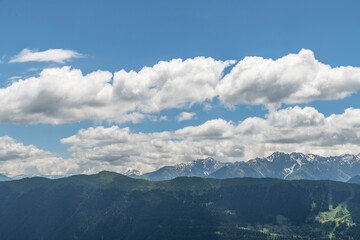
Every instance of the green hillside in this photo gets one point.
(112, 206)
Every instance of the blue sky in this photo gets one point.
(129, 35)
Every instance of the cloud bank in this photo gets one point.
(119, 149)
(50, 55)
(63, 95)
(303, 129)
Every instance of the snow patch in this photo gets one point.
(310, 157)
(289, 171)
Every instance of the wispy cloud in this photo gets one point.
(32, 70)
(2, 59)
(185, 116)
(50, 55)
(13, 78)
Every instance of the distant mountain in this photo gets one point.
(22, 176)
(4, 178)
(112, 206)
(355, 179)
(277, 165)
(195, 168)
(294, 166)
(132, 173)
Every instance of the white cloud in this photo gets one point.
(62, 95)
(118, 149)
(58, 95)
(155, 118)
(17, 159)
(147, 151)
(163, 118)
(14, 78)
(50, 55)
(32, 70)
(295, 78)
(174, 84)
(303, 130)
(185, 116)
(291, 129)
(207, 106)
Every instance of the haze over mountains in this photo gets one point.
(355, 179)
(287, 166)
(4, 178)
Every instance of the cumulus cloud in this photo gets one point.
(50, 55)
(185, 116)
(58, 95)
(62, 95)
(291, 129)
(18, 159)
(304, 130)
(174, 84)
(132, 96)
(295, 78)
(118, 149)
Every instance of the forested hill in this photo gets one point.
(111, 206)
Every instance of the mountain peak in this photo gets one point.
(132, 172)
(208, 159)
(276, 156)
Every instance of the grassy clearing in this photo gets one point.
(338, 215)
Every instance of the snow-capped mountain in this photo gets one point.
(295, 166)
(278, 165)
(198, 168)
(132, 173)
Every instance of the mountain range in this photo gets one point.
(278, 165)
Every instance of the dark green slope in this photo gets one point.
(111, 206)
